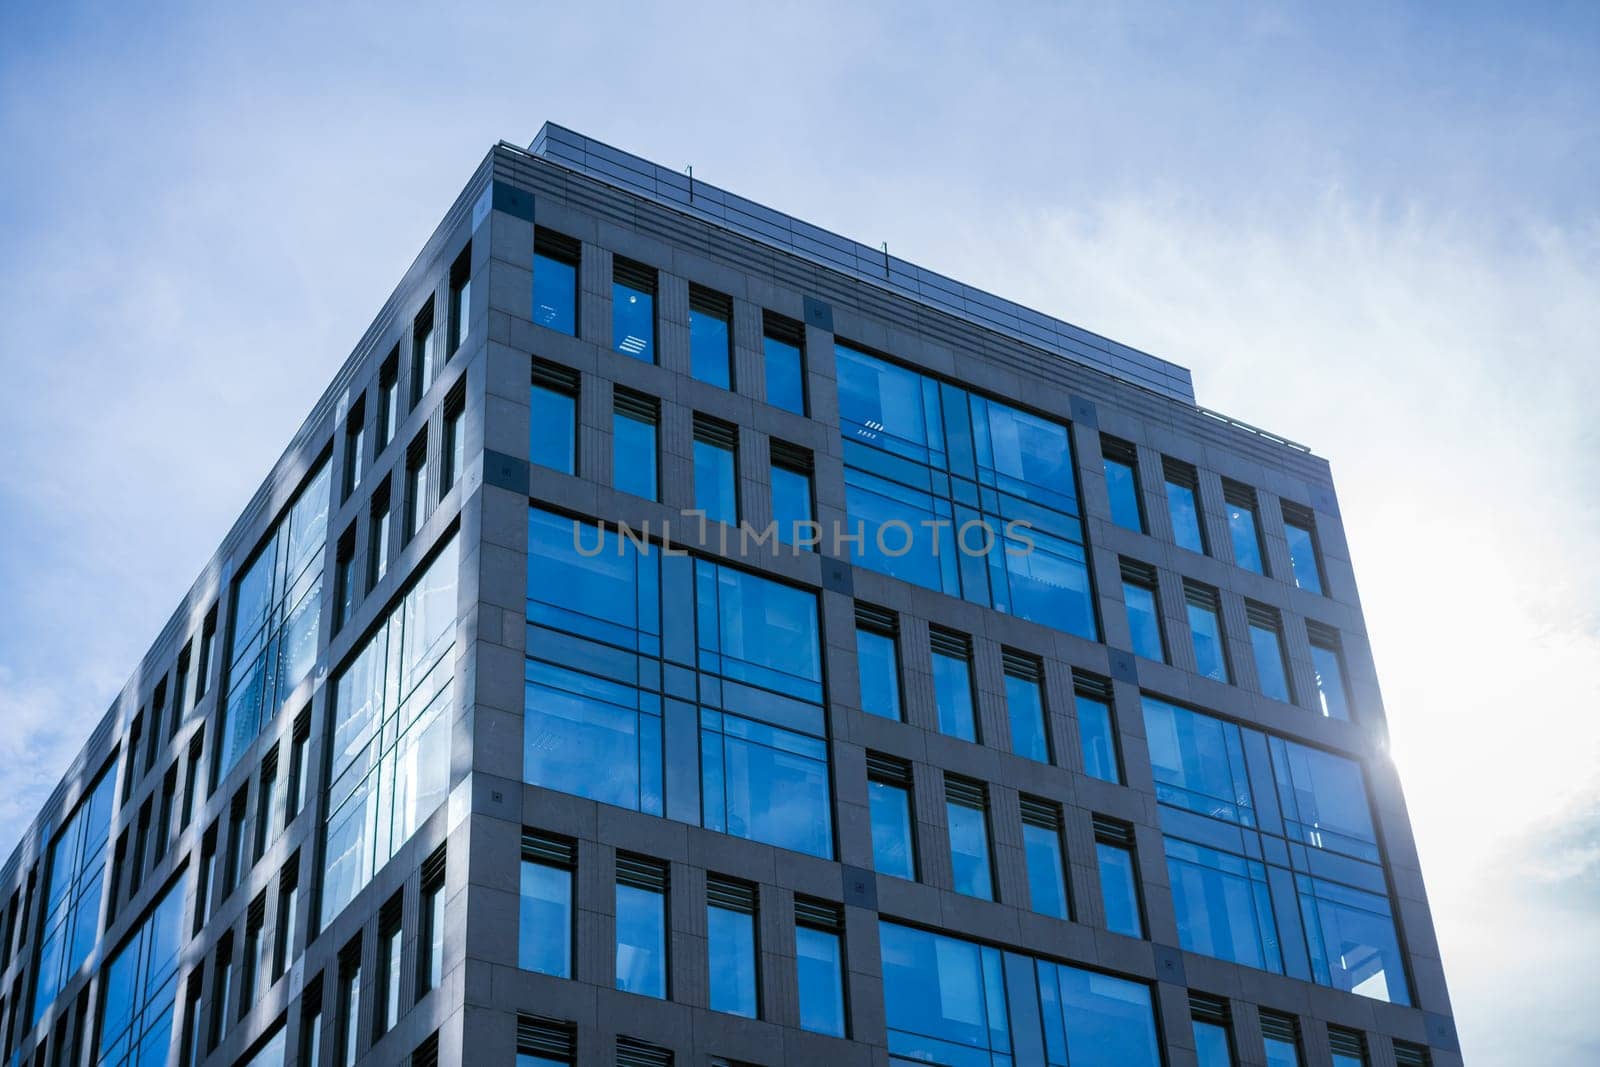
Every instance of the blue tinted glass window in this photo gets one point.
(1122, 484)
(1198, 762)
(1267, 644)
(1223, 906)
(633, 321)
(785, 375)
(72, 899)
(1328, 666)
(715, 488)
(1282, 1053)
(791, 504)
(819, 973)
(1025, 707)
(1109, 1022)
(893, 847)
(1246, 539)
(1119, 887)
(942, 997)
(1211, 1045)
(880, 673)
(731, 943)
(1144, 621)
(1324, 799)
(765, 784)
(545, 929)
(1184, 506)
(641, 941)
(553, 429)
(887, 407)
(1046, 580)
(555, 294)
(709, 359)
(1211, 657)
(1098, 738)
(141, 985)
(1303, 560)
(755, 630)
(952, 692)
(901, 535)
(1047, 883)
(1344, 1059)
(587, 736)
(969, 850)
(633, 455)
(1352, 939)
(1031, 457)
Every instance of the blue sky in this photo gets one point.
(1367, 227)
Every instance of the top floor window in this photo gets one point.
(1243, 526)
(460, 298)
(71, 904)
(1305, 557)
(1122, 483)
(425, 358)
(633, 309)
(783, 354)
(555, 281)
(1183, 504)
(710, 337)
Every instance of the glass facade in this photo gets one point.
(389, 744)
(674, 686)
(962, 494)
(72, 900)
(1272, 854)
(140, 987)
(274, 627)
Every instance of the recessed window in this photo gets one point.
(347, 588)
(1144, 610)
(1119, 876)
(388, 399)
(547, 917)
(1097, 731)
(461, 298)
(952, 683)
(967, 814)
(1024, 678)
(791, 494)
(878, 659)
(1244, 527)
(634, 461)
(355, 448)
(731, 946)
(1349, 1048)
(286, 938)
(710, 337)
(1305, 555)
(1327, 665)
(1122, 483)
(894, 849)
(1046, 859)
(783, 353)
(430, 933)
(1204, 607)
(641, 926)
(1183, 504)
(1281, 1035)
(349, 1004)
(716, 479)
(545, 1042)
(633, 309)
(1212, 1040)
(453, 454)
(555, 281)
(417, 501)
(391, 944)
(1266, 644)
(553, 417)
(378, 535)
(819, 965)
(1408, 1055)
(425, 359)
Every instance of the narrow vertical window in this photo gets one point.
(1122, 483)
(634, 460)
(878, 661)
(1144, 610)
(731, 946)
(453, 454)
(1327, 664)
(222, 1003)
(236, 865)
(250, 965)
(268, 817)
(460, 298)
(952, 683)
(311, 1024)
(1183, 504)
(430, 934)
(299, 766)
(180, 688)
(1024, 674)
(641, 926)
(544, 940)
(1281, 1034)
(716, 479)
(819, 966)
(633, 309)
(388, 399)
(194, 1041)
(1047, 869)
(1097, 730)
(416, 485)
(355, 437)
(208, 644)
(1266, 643)
(1204, 606)
(1119, 876)
(553, 417)
(791, 494)
(390, 945)
(1349, 1048)
(424, 359)
(967, 812)
(378, 536)
(783, 355)
(205, 886)
(710, 337)
(1212, 1043)
(1243, 526)
(1305, 555)
(191, 781)
(346, 587)
(285, 938)
(555, 281)
(349, 1005)
(889, 802)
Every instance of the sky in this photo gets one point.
(1372, 228)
